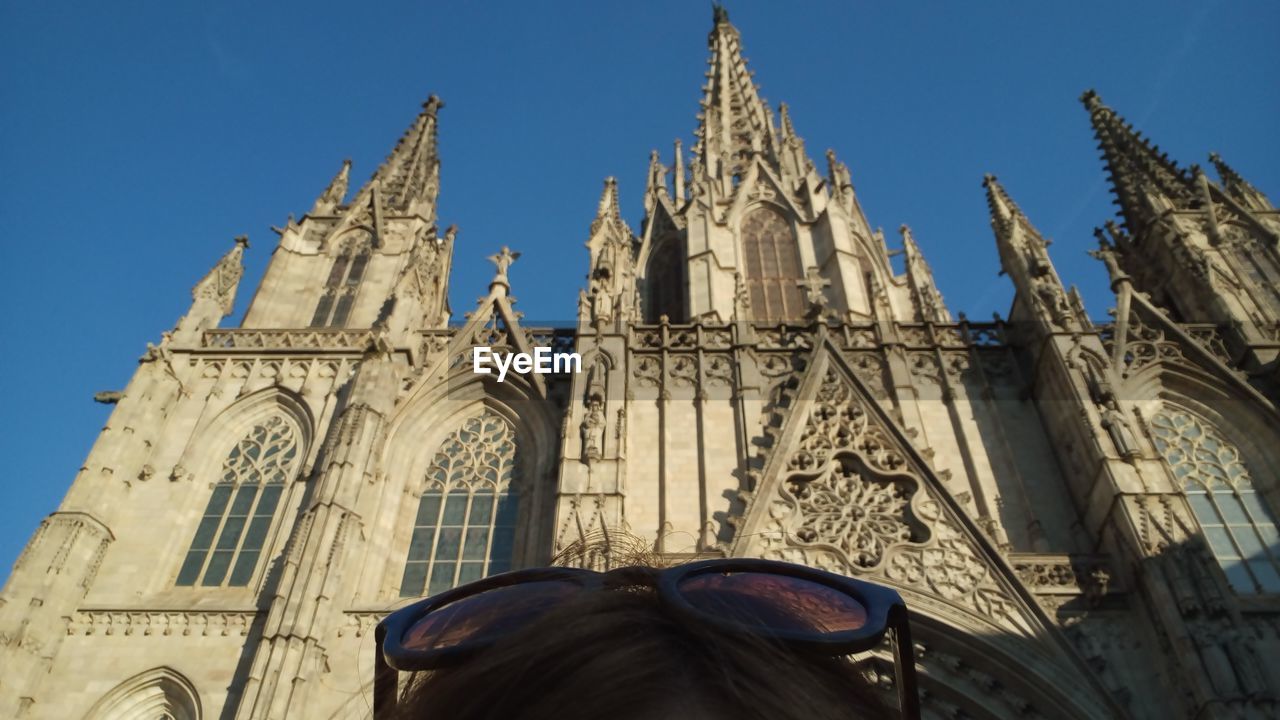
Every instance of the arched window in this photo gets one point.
(1236, 521)
(159, 694)
(666, 280)
(466, 519)
(236, 521)
(773, 266)
(343, 282)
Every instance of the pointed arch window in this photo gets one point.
(466, 521)
(158, 694)
(666, 281)
(773, 266)
(344, 280)
(229, 539)
(1240, 527)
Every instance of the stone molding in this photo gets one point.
(205, 623)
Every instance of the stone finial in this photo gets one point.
(502, 260)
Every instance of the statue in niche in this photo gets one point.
(592, 430)
(1113, 419)
(1054, 302)
(593, 425)
(1117, 427)
(601, 299)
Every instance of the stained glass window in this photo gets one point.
(343, 282)
(773, 266)
(466, 519)
(229, 539)
(1237, 523)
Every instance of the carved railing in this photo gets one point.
(792, 336)
(309, 339)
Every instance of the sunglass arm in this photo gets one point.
(385, 680)
(905, 663)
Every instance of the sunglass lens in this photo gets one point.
(776, 602)
(487, 615)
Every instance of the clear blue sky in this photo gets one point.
(136, 139)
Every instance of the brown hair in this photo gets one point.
(619, 655)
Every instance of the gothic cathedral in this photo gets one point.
(1081, 515)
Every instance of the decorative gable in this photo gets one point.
(843, 489)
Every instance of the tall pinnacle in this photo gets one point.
(1237, 187)
(1024, 256)
(1137, 167)
(924, 290)
(333, 195)
(1007, 219)
(409, 178)
(220, 283)
(608, 212)
(734, 122)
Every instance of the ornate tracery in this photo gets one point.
(229, 540)
(466, 519)
(1240, 528)
(773, 266)
(340, 288)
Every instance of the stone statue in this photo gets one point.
(503, 260)
(601, 301)
(593, 430)
(1117, 427)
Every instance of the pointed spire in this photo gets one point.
(1024, 256)
(657, 182)
(677, 171)
(409, 178)
(794, 160)
(220, 283)
(1237, 187)
(608, 210)
(838, 176)
(1006, 216)
(735, 122)
(788, 130)
(334, 194)
(1137, 167)
(924, 290)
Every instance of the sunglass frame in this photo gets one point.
(883, 606)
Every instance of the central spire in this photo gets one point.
(734, 122)
(409, 179)
(1137, 167)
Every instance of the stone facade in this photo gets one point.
(1065, 505)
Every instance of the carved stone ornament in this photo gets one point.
(849, 500)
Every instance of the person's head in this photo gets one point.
(622, 655)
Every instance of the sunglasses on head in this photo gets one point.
(807, 609)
